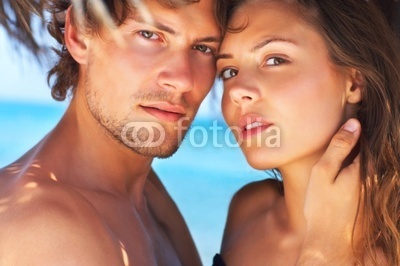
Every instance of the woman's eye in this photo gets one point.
(274, 61)
(149, 35)
(228, 73)
(203, 48)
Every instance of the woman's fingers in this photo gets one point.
(341, 145)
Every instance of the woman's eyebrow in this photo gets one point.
(223, 56)
(259, 45)
(267, 41)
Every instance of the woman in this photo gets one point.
(293, 72)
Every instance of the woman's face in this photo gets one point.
(282, 96)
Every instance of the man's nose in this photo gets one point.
(177, 73)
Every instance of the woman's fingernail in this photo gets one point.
(351, 125)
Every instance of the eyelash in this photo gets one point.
(274, 58)
(280, 59)
(142, 33)
(221, 74)
(209, 50)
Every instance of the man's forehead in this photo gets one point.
(175, 3)
(194, 14)
(170, 4)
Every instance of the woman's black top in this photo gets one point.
(218, 261)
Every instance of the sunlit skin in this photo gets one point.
(277, 72)
(81, 183)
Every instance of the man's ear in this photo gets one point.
(354, 90)
(75, 40)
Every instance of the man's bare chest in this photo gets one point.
(139, 236)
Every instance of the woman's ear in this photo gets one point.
(354, 91)
(75, 40)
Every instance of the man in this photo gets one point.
(86, 194)
(81, 191)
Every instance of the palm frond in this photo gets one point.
(17, 17)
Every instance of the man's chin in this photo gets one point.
(162, 152)
(163, 146)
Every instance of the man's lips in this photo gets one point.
(165, 111)
(166, 107)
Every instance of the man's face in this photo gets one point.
(159, 75)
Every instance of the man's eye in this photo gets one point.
(228, 73)
(203, 48)
(149, 35)
(274, 61)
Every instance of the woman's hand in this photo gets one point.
(332, 202)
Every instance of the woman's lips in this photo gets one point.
(252, 125)
(249, 133)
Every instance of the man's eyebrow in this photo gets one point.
(153, 23)
(209, 39)
(170, 30)
(267, 41)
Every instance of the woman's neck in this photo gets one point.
(295, 181)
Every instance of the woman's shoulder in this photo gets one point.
(259, 193)
(252, 200)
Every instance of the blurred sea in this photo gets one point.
(202, 176)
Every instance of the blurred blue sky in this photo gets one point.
(21, 76)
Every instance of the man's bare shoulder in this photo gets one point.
(252, 200)
(32, 191)
(44, 222)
